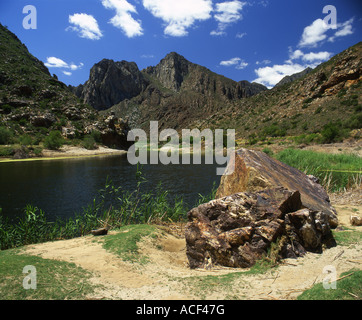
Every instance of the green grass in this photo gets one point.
(125, 243)
(347, 237)
(335, 171)
(55, 280)
(348, 288)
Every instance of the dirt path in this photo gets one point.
(166, 276)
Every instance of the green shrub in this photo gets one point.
(25, 140)
(333, 132)
(89, 143)
(97, 136)
(54, 141)
(5, 136)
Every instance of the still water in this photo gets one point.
(62, 188)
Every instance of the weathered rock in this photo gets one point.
(237, 230)
(356, 221)
(110, 83)
(255, 171)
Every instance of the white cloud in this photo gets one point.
(313, 34)
(226, 14)
(270, 76)
(86, 26)
(345, 30)
(237, 62)
(177, 15)
(123, 18)
(309, 57)
(316, 56)
(296, 54)
(316, 32)
(231, 62)
(54, 62)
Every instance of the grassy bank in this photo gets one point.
(335, 171)
(56, 280)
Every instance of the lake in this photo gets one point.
(62, 188)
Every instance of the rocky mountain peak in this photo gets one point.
(171, 71)
(111, 82)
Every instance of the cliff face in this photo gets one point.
(111, 82)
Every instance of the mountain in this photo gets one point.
(323, 105)
(34, 103)
(176, 92)
(293, 77)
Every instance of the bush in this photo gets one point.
(89, 143)
(54, 141)
(25, 140)
(5, 136)
(333, 132)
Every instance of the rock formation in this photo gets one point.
(256, 171)
(111, 82)
(238, 230)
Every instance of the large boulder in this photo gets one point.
(237, 230)
(251, 171)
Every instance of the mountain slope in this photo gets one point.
(326, 99)
(34, 103)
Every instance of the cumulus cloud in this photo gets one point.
(270, 76)
(297, 62)
(315, 33)
(178, 16)
(237, 62)
(123, 18)
(227, 13)
(54, 62)
(85, 25)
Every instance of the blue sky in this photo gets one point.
(261, 40)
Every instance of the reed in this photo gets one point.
(336, 172)
(113, 208)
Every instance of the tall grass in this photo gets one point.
(113, 207)
(336, 172)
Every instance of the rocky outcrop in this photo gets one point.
(255, 171)
(238, 230)
(113, 131)
(110, 83)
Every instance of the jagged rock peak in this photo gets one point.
(171, 71)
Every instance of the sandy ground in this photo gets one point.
(70, 151)
(166, 276)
